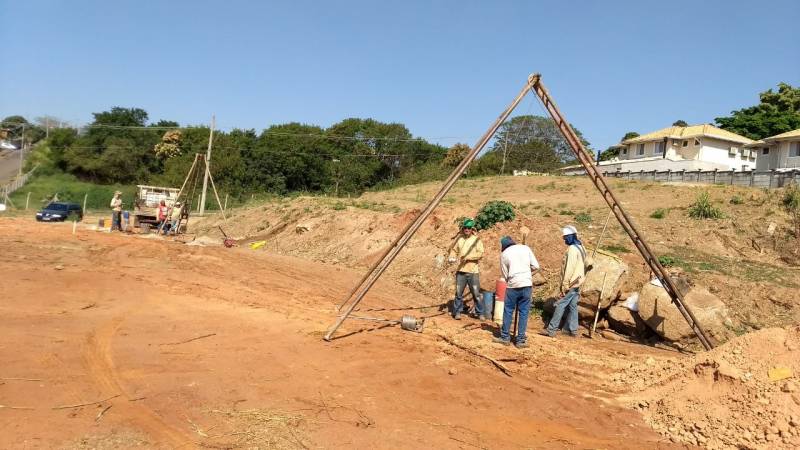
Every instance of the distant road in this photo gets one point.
(9, 165)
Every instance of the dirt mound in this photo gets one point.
(743, 394)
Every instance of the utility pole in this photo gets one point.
(208, 166)
(22, 150)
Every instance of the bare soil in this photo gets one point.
(168, 345)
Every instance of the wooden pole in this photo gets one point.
(27, 200)
(208, 166)
(225, 206)
(85, 196)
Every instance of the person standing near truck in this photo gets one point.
(469, 250)
(116, 211)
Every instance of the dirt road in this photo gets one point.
(171, 345)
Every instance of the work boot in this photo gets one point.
(482, 318)
(573, 335)
(547, 333)
(457, 316)
(521, 345)
(499, 340)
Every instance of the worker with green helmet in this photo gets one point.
(467, 251)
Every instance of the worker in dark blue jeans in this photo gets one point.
(517, 264)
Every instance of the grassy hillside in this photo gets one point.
(70, 189)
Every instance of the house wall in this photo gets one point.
(649, 151)
(660, 165)
(717, 151)
(778, 157)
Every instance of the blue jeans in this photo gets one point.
(516, 298)
(473, 280)
(569, 300)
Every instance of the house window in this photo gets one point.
(659, 148)
(765, 151)
(732, 155)
(696, 142)
(625, 151)
(794, 149)
(685, 144)
(640, 149)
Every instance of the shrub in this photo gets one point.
(666, 261)
(736, 200)
(583, 218)
(494, 212)
(703, 209)
(659, 213)
(791, 204)
(338, 206)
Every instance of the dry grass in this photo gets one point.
(259, 428)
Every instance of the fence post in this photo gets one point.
(733, 172)
(27, 200)
(85, 196)
(752, 177)
(771, 177)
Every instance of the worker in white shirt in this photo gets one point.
(573, 273)
(517, 264)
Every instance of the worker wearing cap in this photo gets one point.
(175, 218)
(572, 276)
(468, 250)
(116, 212)
(517, 264)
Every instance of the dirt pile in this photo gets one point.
(743, 394)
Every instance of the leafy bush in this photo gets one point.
(494, 212)
(703, 209)
(666, 261)
(583, 218)
(791, 204)
(659, 213)
(339, 206)
(736, 200)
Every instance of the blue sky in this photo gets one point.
(444, 68)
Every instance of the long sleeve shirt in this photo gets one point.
(517, 264)
(469, 250)
(116, 204)
(572, 268)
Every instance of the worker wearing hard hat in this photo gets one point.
(468, 250)
(572, 276)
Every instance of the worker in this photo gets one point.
(468, 250)
(161, 214)
(175, 218)
(517, 265)
(116, 211)
(572, 277)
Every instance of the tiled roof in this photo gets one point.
(787, 135)
(689, 132)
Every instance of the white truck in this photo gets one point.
(145, 208)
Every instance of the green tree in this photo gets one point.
(680, 123)
(456, 154)
(613, 151)
(777, 112)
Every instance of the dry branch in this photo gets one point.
(21, 379)
(86, 404)
(100, 414)
(190, 340)
(496, 363)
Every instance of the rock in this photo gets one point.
(611, 336)
(452, 371)
(658, 312)
(613, 269)
(650, 361)
(725, 370)
(59, 267)
(789, 387)
(625, 321)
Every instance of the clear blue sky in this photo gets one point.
(443, 68)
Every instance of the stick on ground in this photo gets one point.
(190, 340)
(86, 404)
(497, 363)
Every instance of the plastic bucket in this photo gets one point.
(488, 303)
(499, 300)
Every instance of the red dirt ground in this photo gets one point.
(95, 315)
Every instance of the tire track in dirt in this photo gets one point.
(101, 367)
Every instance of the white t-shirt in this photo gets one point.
(515, 265)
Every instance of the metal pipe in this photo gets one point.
(380, 266)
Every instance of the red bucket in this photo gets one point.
(500, 290)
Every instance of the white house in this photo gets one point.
(695, 147)
(780, 152)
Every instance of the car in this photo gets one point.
(59, 212)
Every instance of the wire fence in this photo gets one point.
(18, 182)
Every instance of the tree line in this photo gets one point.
(122, 146)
